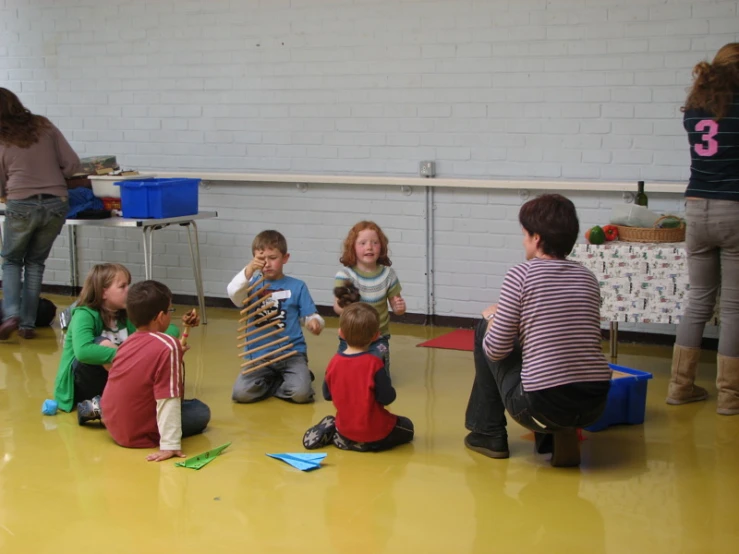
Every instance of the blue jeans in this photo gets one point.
(31, 226)
(379, 348)
(195, 417)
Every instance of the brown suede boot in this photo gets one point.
(727, 381)
(684, 365)
(566, 449)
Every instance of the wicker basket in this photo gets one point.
(652, 234)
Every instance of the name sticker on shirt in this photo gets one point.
(282, 294)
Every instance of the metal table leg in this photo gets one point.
(74, 275)
(614, 339)
(148, 238)
(196, 267)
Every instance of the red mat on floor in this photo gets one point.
(461, 339)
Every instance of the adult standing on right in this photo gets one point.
(712, 238)
(34, 161)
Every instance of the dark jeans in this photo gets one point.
(195, 417)
(402, 433)
(89, 380)
(498, 388)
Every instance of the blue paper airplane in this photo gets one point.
(304, 462)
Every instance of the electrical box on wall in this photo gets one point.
(428, 169)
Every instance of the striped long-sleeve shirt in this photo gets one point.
(553, 307)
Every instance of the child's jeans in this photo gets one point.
(89, 380)
(195, 417)
(379, 348)
(402, 433)
(288, 379)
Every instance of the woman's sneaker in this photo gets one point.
(88, 410)
(320, 435)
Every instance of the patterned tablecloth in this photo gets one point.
(639, 282)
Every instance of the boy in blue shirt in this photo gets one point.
(287, 300)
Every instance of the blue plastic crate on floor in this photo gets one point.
(159, 198)
(627, 399)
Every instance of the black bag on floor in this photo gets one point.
(44, 315)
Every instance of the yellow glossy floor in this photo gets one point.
(671, 485)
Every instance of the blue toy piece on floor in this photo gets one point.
(627, 399)
(49, 407)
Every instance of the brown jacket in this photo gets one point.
(39, 169)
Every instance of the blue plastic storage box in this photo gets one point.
(627, 400)
(159, 198)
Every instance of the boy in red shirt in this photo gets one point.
(142, 405)
(360, 388)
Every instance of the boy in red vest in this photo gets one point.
(360, 388)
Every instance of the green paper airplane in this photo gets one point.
(196, 462)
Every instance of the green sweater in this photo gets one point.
(79, 344)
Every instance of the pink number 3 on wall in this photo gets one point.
(710, 145)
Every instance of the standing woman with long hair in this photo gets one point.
(35, 158)
(712, 211)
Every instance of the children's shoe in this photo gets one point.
(320, 435)
(487, 445)
(88, 410)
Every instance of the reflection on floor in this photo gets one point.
(667, 486)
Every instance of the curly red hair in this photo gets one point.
(349, 254)
(715, 83)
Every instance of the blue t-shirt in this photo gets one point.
(289, 297)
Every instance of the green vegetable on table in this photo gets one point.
(670, 223)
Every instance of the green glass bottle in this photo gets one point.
(641, 197)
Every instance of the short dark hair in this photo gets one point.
(554, 218)
(359, 324)
(269, 239)
(146, 300)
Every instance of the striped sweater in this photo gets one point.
(374, 288)
(553, 307)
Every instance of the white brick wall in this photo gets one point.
(533, 88)
(244, 85)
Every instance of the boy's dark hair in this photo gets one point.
(146, 300)
(269, 239)
(359, 324)
(554, 218)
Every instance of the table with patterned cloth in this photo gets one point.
(639, 282)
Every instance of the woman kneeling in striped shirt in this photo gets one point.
(538, 351)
